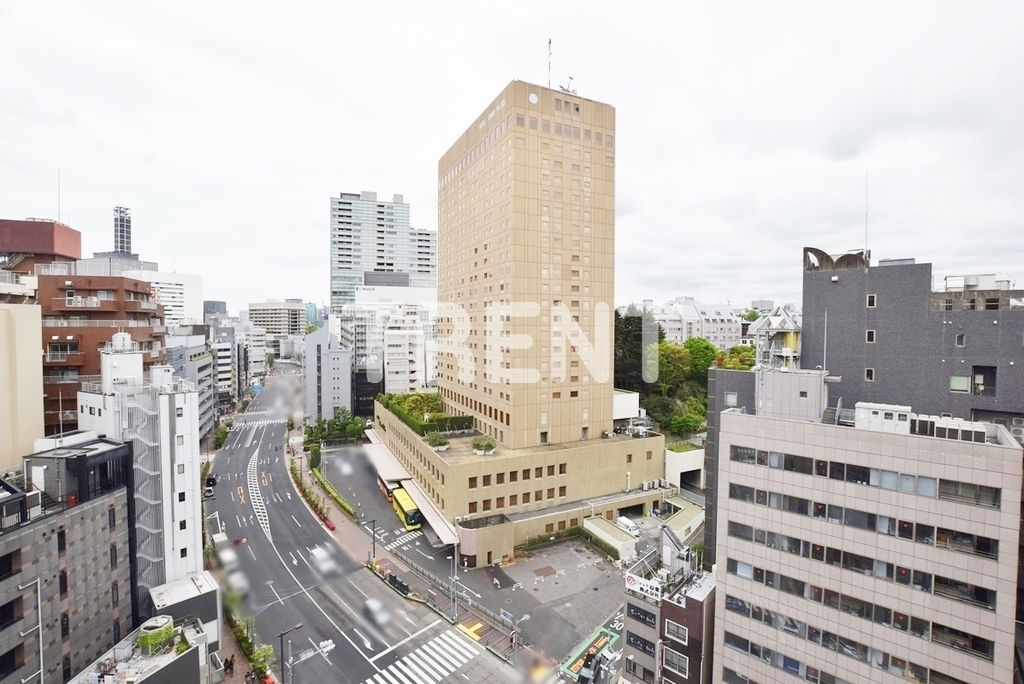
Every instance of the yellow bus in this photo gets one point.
(407, 512)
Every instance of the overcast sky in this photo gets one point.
(743, 134)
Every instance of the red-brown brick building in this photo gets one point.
(23, 244)
(80, 315)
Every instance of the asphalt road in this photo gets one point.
(274, 533)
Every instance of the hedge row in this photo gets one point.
(333, 493)
(423, 427)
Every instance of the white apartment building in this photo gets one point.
(328, 375)
(193, 359)
(180, 294)
(159, 415)
(405, 359)
(278, 319)
(881, 551)
(224, 371)
(372, 244)
(683, 318)
(257, 344)
(361, 324)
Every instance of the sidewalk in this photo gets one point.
(357, 542)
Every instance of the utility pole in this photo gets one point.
(281, 637)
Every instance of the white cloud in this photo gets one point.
(744, 132)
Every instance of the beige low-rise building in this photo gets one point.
(502, 500)
(21, 382)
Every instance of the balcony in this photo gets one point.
(65, 358)
(139, 305)
(79, 302)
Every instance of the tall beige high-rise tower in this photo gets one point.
(526, 248)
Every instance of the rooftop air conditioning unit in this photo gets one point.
(664, 483)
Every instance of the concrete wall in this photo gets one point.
(607, 532)
(21, 382)
(677, 463)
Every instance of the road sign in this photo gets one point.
(507, 616)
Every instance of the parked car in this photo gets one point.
(238, 583)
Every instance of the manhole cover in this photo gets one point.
(568, 605)
(508, 601)
(557, 582)
(535, 588)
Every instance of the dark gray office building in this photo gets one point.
(895, 336)
(67, 560)
(890, 334)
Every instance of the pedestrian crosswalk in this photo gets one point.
(434, 661)
(255, 423)
(404, 539)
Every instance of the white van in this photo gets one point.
(228, 559)
(628, 526)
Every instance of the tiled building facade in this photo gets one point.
(852, 554)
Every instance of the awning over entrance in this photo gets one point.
(385, 463)
(444, 529)
(390, 468)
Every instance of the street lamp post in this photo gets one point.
(281, 637)
(454, 596)
(517, 637)
(373, 524)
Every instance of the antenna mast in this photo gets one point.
(867, 258)
(549, 63)
(824, 350)
(58, 194)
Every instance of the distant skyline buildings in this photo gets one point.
(368, 235)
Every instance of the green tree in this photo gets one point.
(270, 360)
(674, 367)
(355, 428)
(751, 315)
(263, 659)
(739, 357)
(311, 327)
(628, 354)
(702, 354)
(314, 456)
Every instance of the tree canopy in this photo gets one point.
(629, 371)
(740, 357)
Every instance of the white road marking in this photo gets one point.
(405, 640)
(275, 593)
(251, 553)
(296, 521)
(416, 676)
(366, 642)
(415, 664)
(294, 562)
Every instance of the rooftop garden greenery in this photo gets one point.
(424, 412)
